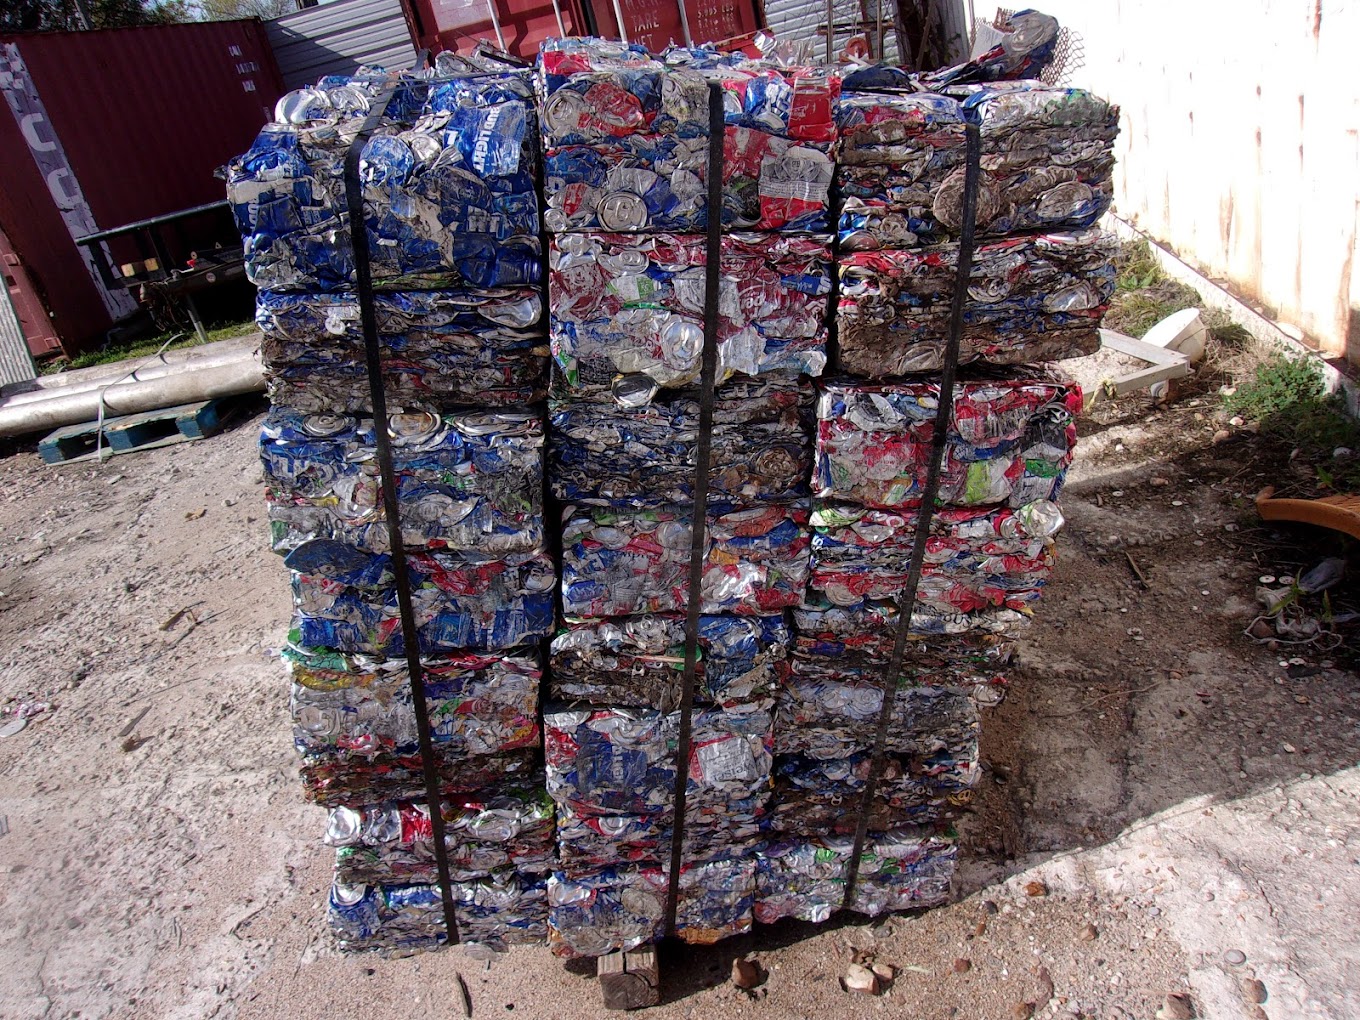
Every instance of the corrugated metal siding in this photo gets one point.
(653, 23)
(29, 217)
(45, 148)
(145, 115)
(460, 24)
(797, 20)
(800, 20)
(656, 23)
(27, 302)
(715, 20)
(16, 364)
(336, 38)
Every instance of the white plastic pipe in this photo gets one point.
(147, 368)
(151, 369)
(184, 384)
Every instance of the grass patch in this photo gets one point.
(1137, 267)
(1144, 295)
(148, 346)
(1224, 330)
(1286, 397)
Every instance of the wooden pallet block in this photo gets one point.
(138, 268)
(629, 980)
(146, 431)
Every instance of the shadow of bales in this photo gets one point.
(687, 970)
(1137, 689)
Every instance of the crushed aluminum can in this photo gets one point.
(1030, 299)
(1047, 157)
(1010, 442)
(611, 320)
(622, 908)
(618, 563)
(449, 186)
(470, 483)
(903, 869)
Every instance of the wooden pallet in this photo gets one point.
(146, 431)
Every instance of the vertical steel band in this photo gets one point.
(907, 600)
(699, 517)
(363, 270)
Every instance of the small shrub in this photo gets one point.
(1287, 397)
(1143, 294)
(1280, 385)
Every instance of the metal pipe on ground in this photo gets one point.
(140, 370)
(185, 384)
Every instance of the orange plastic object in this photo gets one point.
(1340, 513)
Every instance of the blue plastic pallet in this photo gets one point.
(145, 431)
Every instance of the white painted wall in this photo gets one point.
(1240, 142)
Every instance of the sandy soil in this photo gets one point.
(1183, 790)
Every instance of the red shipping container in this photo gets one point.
(133, 121)
(460, 24)
(657, 23)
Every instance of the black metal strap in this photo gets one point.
(363, 271)
(699, 519)
(906, 601)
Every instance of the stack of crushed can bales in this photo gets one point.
(1040, 279)
(560, 817)
(451, 209)
(626, 158)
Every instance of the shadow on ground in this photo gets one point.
(1136, 689)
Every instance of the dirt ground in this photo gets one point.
(1186, 797)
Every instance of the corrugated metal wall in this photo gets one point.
(16, 364)
(48, 153)
(800, 20)
(657, 23)
(336, 38)
(34, 321)
(144, 116)
(1239, 144)
(459, 24)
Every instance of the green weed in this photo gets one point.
(147, 346)
(1286, 396)
(1138, 270)
(1144, 296)
(1280, 385)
